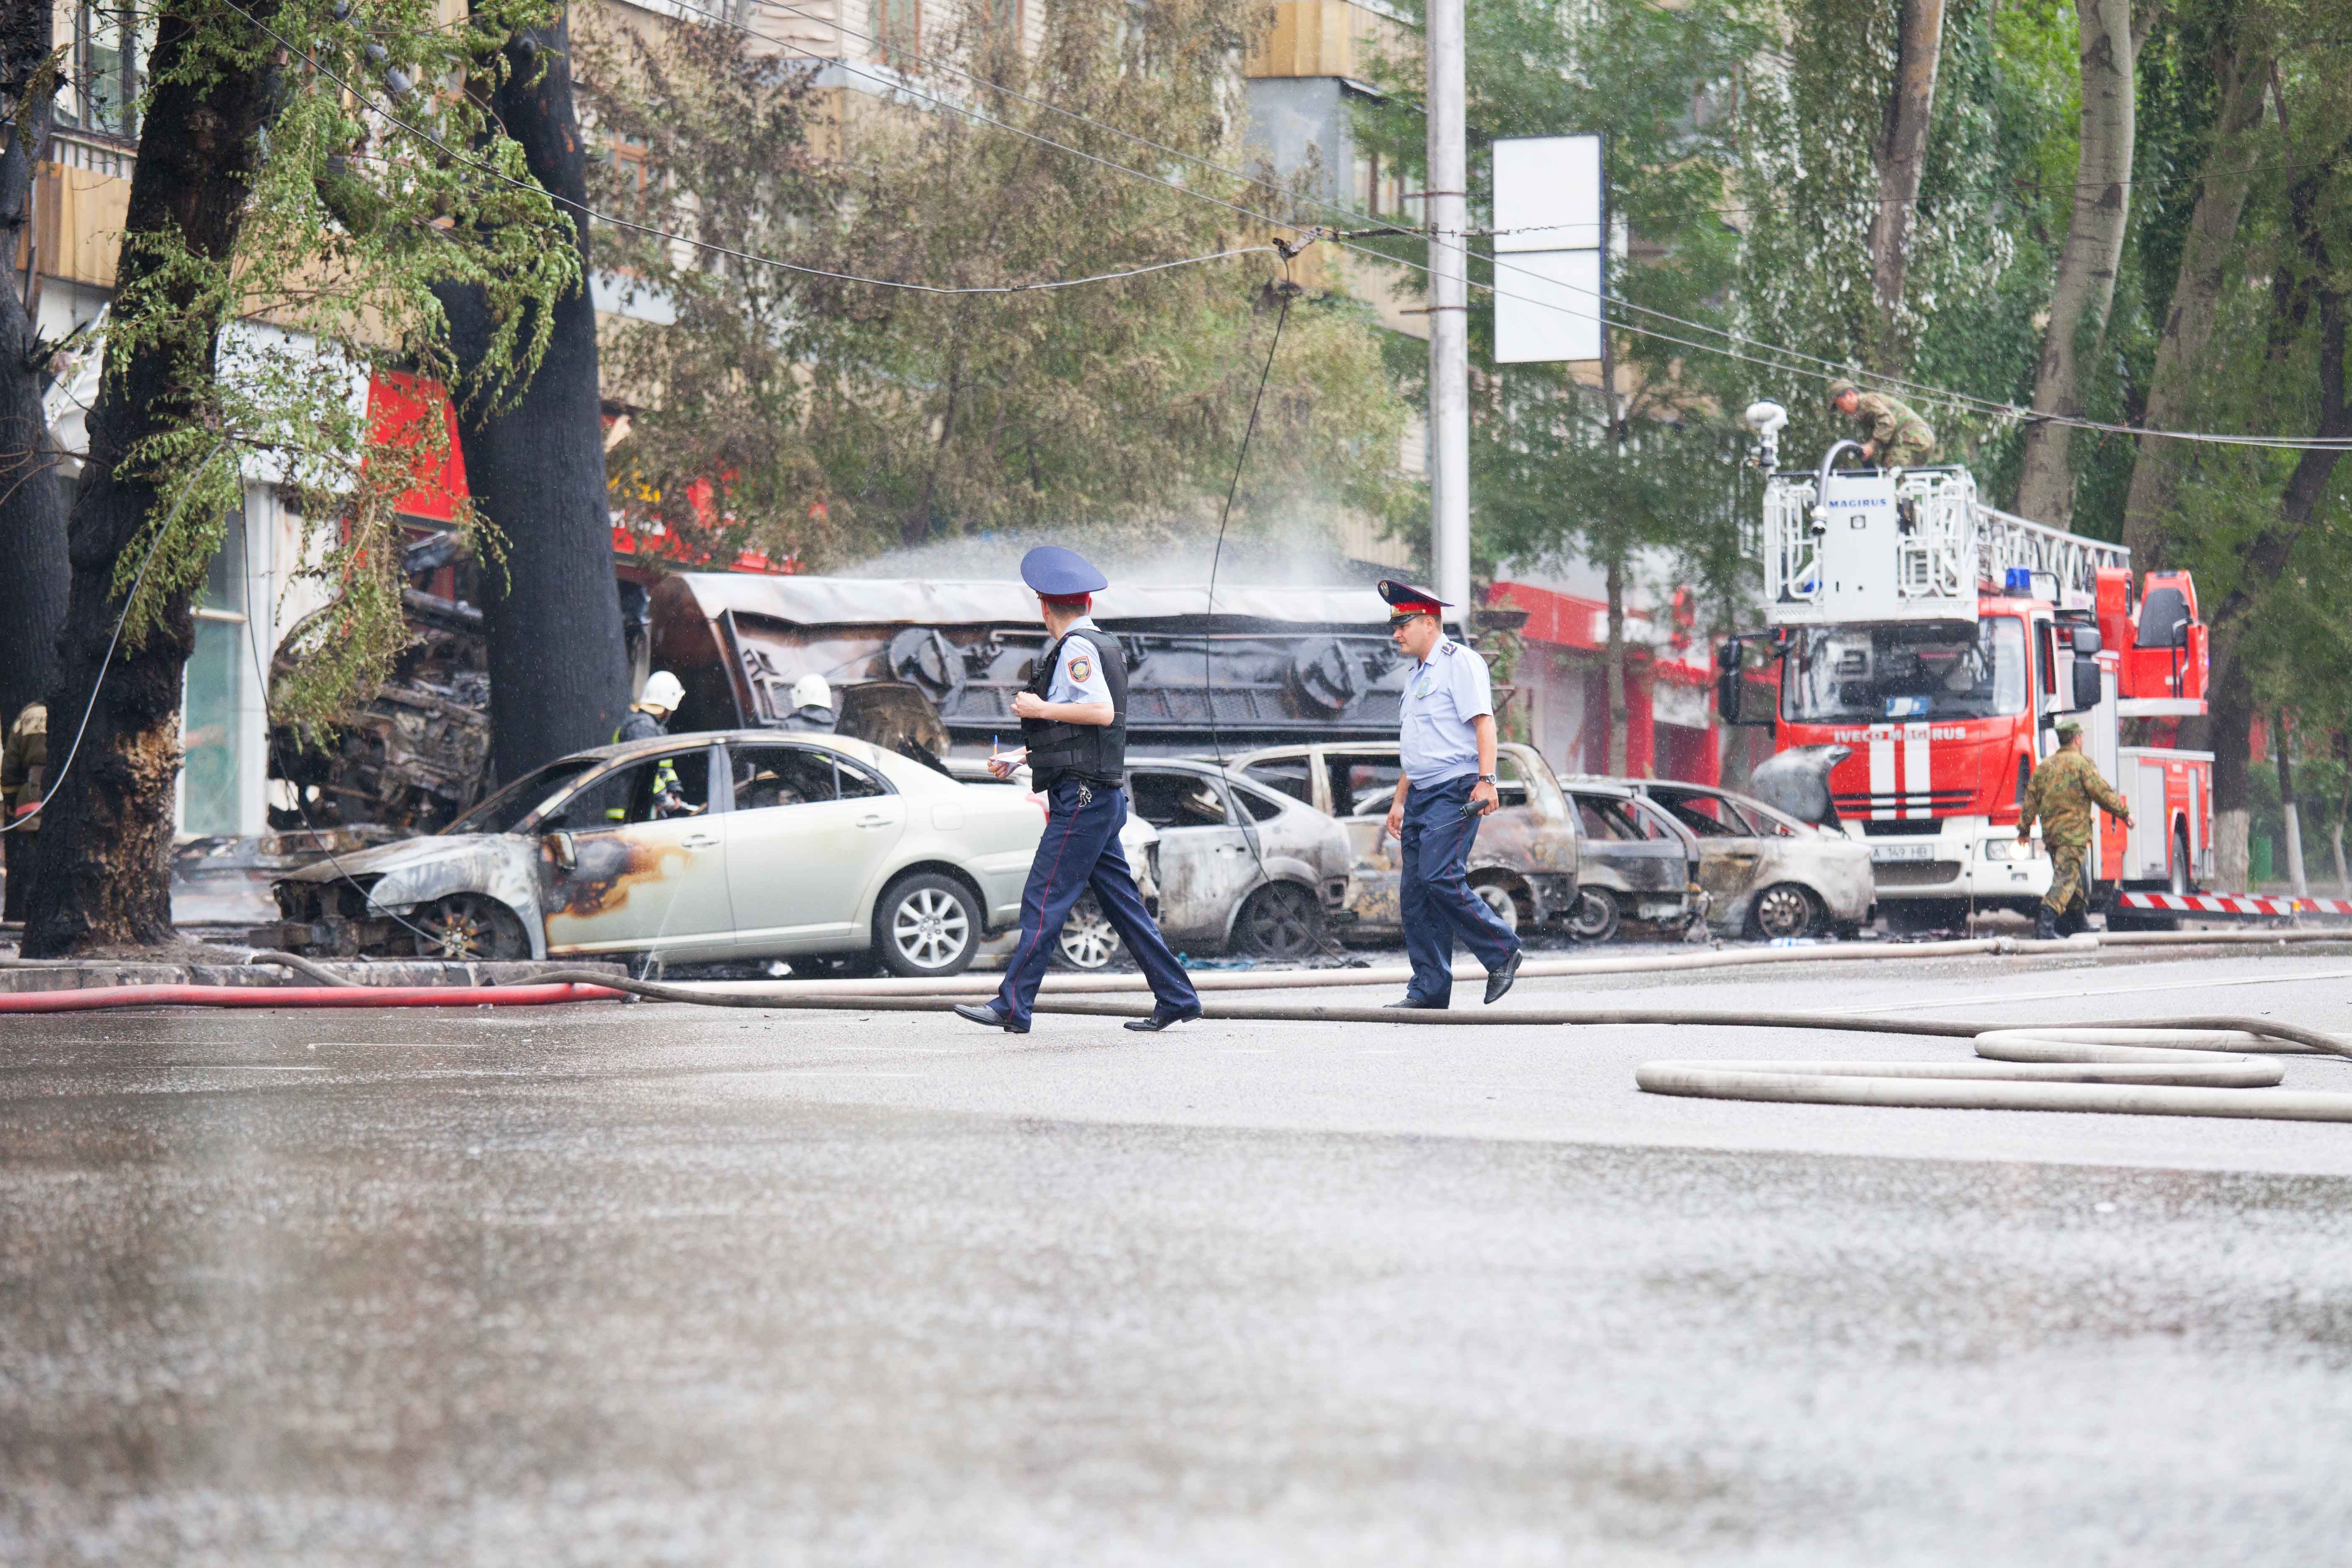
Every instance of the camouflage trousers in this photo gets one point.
(1906, 454)
(2066, 885)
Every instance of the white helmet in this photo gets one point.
(812, 691)
(663, 691)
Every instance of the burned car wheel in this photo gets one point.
(1594, 918)
(926, 925)
(1785, 909)
(468, 926)
(1281, 920)
(1088, 941)
(1497, 896)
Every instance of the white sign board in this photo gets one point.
(1550, 233)
(1548, 193)
(1546, 306)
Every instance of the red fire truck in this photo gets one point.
(1927, 645)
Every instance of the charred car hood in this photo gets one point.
(386, 857)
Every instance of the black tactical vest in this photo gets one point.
(1093, 754)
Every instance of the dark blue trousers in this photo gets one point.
(1433, 890)
(1080, 850)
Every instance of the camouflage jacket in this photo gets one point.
(24, 762)
(1892, 422)
(2062, 793)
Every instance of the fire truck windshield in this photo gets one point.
(1929, 670)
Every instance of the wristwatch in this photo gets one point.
(1487, 778)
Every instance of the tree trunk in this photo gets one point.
(2086, 268)
(33, 575)
(2230, 708)
(2288, 811)
(2196, 302)
(558, 662)
(1618, 718)
(1902, 159)
(102, 870)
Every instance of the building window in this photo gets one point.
(110, 58)
(898, 27)
(212, 723)
(629, 157)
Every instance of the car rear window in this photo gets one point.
(1363, 787)
(1172, 799)
(1709, 816)
(1289, 775)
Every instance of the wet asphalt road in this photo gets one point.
(644, 1284)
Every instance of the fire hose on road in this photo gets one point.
(2192, 1066)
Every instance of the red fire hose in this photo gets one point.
(97, 997)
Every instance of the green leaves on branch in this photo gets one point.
(367, 190)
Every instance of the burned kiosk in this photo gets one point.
(1265, 665)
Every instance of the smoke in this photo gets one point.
(1293, 561)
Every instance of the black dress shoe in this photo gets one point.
(990, 1014)
(1416, 1002)
(1500, 980)
(1161, 1016)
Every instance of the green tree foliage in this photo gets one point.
(839, 418)
(352, 217)
(1551, 480)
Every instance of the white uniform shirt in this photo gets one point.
(1078, 671)
(1444, 693)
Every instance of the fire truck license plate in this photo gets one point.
(1919, 851)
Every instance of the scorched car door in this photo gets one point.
(810, 833)
(1728, 850)
(1205, 863)
(632, 862)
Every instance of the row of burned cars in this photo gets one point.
(835, 854)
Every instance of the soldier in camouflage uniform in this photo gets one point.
(2062, 793)
(1899, 438)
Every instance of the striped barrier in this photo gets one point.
(2229, 904)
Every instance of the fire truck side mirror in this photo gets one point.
(2087, 641)
(1728, 686)
(2086, 679)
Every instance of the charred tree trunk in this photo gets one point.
(2086, 268)
(102, 871)
(33, 575)
(2196, 302)
(1902, 160)
(558, 662)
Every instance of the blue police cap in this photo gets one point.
(1060, 574)
(1410, 598)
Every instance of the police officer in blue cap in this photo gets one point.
(1447, 784)
(1074, 720)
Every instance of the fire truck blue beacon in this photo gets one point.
(1073, 716)
(1447, 747)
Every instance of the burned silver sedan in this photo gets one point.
(691, 847)
(1765, 873)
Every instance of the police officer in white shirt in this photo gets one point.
(1448, 783)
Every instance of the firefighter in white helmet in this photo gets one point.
(648, 719)
(648, 716)
(812, 705)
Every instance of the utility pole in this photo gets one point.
(1445, 206)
